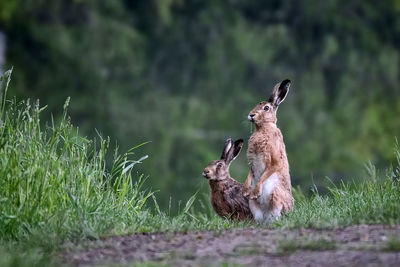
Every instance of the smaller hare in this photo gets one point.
(226, 193)
(268, 182)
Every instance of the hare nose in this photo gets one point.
(205, 172)
(252, 115)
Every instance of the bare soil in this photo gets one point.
(363, 245)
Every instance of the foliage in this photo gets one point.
(55, 182)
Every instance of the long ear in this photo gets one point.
(234, 151)
(280, 92)
(227, 147)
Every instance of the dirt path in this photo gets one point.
(373, 245)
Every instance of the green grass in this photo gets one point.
(253, 249)
(289, 246)
(368, 202)
(374, 200)
(393, 244)
(54, 181)
(55, 186)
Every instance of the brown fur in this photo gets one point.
(226, 193)
(228, 201)
(267, 156)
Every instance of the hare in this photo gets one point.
(268, 182)
(227, 196)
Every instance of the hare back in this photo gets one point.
(228, 201)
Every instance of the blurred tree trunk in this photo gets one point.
(2, 51)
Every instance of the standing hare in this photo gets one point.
(227, 196)
(268, 182)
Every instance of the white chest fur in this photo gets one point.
(268, 186)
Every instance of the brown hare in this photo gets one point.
(268, 182)
(227, 196)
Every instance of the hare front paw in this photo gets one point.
(256, 193)
(246, 191)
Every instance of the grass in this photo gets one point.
(54, 181)
(375, 200)
(368, 202)
(393, 244)
(254, 249)
(55, 186)
(290, 246)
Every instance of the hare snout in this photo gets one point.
(210, 174)
(251, 117)
(206, 173)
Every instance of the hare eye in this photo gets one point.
(219, 165)
(266, 108)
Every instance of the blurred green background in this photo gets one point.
(185, 74)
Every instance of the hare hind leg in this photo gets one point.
(264, 215)
(280, 201)
(256, 210)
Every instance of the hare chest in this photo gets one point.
(257, 165)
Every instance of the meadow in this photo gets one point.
(57, 186)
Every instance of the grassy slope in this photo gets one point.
(370, 202)
(54, 186)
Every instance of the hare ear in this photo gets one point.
(227, 147)
(235, 150)
(280, 92)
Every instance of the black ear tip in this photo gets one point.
(285, 84)
(239, 142)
